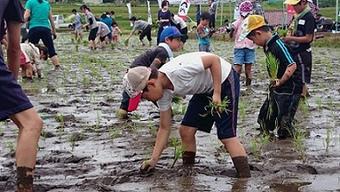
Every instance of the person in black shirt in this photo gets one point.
(300, 38)
(170, 40)
(286, 83)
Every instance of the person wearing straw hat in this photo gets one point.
(301, 37)
(210, 79)
(285, 87)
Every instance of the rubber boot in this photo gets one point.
(24, 179)
(242, 167)
(188, 157)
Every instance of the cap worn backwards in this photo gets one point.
(135, 80)
(170, 32)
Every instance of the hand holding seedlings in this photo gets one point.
(147, 166)
(217, 102)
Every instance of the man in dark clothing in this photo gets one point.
(300, 38)
(14, 103)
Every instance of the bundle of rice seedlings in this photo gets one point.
(216, 108)
(272, 66)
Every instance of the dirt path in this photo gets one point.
(85, 148)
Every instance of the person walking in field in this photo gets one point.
(14, 104)
(280, 106)
(77, 26)
(210, 79)
(244, 50)
(203, 33)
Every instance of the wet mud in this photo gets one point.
(84, 147)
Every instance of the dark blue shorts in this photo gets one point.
(198, 117)
(43, 33)
(12, 98)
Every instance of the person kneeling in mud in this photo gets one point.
(285, 88)
(31, 57)
(207, 77)
(170, 40)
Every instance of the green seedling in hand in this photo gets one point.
(213, 108)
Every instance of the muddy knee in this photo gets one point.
(188, 157)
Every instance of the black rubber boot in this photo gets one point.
(242, 167)
(24, 179)
(188, 157)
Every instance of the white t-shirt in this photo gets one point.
(188, 76)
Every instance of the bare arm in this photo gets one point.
(50, 17)
(162, 135)
(213, 63)
(287, 75)
(27, 15)
(13, 51)
(156, 63)
(304, 39)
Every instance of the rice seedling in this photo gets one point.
(242, 109)
(153, 129)
(86, 81)
(98, 120)
(318, 102)
(272, 66)
(298, 142)
(114, 132)
(126, 42)
(327, 140)
(178, 109)
(213, 108)
(74, 137)
(60, 118)
(257, 144)
(178, 149)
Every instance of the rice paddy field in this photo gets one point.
(84, 147)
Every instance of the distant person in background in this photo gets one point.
(14, 103)
(31, 58)
(212, 11)
(39, 15)
(181, 26)
(301, 38)
(116, 32)
(164, 17)
(92, 24)
(77, 27)
(143, 26)
(203, 33)
(244, 50)
(313, 7)
(108, 21)
(104, 34)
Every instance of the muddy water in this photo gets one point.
(84, 147)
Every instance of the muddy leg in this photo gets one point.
(238, 68)
(188, 144)
(30, 125)
(238, 155)
(249, 75)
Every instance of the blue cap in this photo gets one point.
(169, 32)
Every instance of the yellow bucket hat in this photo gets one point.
(251, 23)
(292, 2)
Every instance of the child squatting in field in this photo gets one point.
(286, 86)
(205, 76)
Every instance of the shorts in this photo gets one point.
(78, 29)
(305, 58)
(244, 56)
(93, 34)
(43, 33)
(13, 99)
(199, 117)
(204, 48)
